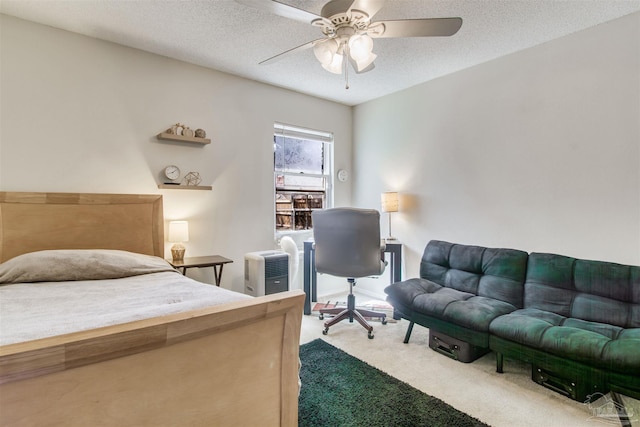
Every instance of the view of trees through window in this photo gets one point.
(300, 163)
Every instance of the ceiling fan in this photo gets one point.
(349, 32)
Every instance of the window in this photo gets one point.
(302, 170)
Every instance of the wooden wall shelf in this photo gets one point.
(180, 138)
(184, 187)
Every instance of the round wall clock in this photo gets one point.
(172, 172)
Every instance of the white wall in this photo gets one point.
(539, 151)
(81, 115)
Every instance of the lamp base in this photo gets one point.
(177, 252)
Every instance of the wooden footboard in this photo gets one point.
(234, 364)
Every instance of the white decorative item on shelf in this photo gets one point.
(175, 129)
(183, 133)
(193, 178)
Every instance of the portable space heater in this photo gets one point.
(266, 272)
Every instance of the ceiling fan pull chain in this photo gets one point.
(345, 64)
(346, 77)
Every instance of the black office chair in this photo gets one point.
(347, 244)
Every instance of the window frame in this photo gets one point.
(298, 132)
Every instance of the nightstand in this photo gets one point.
(215, 261)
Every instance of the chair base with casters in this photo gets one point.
(351, 313)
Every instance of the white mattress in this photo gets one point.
(30, 311)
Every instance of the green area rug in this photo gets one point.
(340, 390)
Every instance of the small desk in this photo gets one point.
(393, 247)
(215, 261)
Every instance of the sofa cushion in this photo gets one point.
(606, 292)
(435, 303)
(599, 309)
(634, 315)
(504, 271)
(594, 343)
(553, 270)
(406, 291)
(476, 313)
(454, 266)
(605, 279)
(594, 291)
(488, 272)
(525, 326)
(623, 354)
(610, 331)
(454, 306)
(544, 297)
(576, 344)
(549, 284)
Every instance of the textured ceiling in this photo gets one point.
(230, 37)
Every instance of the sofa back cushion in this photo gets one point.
(594, 291)
(488, 272)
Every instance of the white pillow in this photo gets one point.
(78, 264)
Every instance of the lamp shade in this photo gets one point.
(178, 231)
(325, 50)
(335, 66)
(389, 201)
(362, 65)
(360, 47)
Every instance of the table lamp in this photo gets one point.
(389, 202)
(178, 233)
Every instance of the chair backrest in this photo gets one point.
(347, 242)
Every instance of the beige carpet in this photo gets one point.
(509, 399)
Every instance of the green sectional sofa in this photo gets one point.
(577, 322)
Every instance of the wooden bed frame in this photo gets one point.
(232, 364)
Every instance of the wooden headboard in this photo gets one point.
(38, 221)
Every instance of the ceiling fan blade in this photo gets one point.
(277, 8)
(370, 7)
(432, 27)
(286, 53)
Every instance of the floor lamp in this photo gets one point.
(389, 202)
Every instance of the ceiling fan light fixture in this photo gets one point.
(348, 31)
(360, 47)
(363, 64)
(335, 65)
(325, 50)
